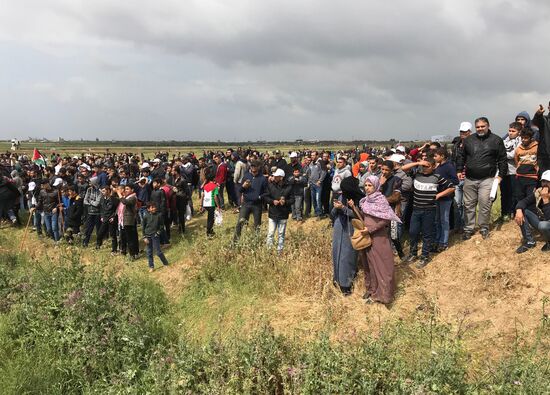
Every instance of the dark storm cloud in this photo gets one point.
(300, 63)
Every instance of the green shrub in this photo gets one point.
(69, 328)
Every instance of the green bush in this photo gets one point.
(69, 328)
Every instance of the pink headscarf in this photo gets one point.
(376, 204)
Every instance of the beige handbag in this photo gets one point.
(359, 241)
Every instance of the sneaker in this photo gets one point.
(546, 247)
(424, 260)
(525, 247)
(151, 270)
(506, 218)
(466, 236)
(410, 258)
(442, 248)
(484, 233)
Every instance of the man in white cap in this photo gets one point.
(464, 130)
(535, 211)
(279, 197)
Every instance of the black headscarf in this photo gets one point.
(350, 190)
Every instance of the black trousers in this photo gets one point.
(180, 216)
(210, 220)
(108, 228)
(307, 202)
(129, 240)
(92, 221)
(244, 216)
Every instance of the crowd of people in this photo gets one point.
(377, 195)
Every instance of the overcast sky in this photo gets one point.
(268, 70)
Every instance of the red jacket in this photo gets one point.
(221, 174)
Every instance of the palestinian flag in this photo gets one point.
(38, 158)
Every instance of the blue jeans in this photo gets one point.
(37, 220)
(422, 220)
(316, 198)
(542, 226)
(154, 244)
(52, 227)
(278, 225)
(442, 224)
(459, 205)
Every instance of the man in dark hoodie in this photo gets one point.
(525, 119)
(252, 189)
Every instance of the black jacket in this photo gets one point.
(107, 207)
(530, 203)
(73, 219)
(482, 156)
(297, 184)
(543, 154)
(152, 224)
(47, 201)
(275, 192)
(159, 197)
(182, 194)
(8, 190)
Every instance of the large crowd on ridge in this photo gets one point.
(372, 197)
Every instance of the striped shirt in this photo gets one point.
(425, 187)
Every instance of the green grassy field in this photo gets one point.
(229, 320)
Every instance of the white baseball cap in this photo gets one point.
(84, 165)
(58, 181)
(545, 176)
(279, 173)
(465, 126)
(400, 148)
(145, 165)
(397, 158)
(157, 160)
(293, 155)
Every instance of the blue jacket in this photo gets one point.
(258, 186)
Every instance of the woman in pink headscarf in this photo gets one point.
(378, 258)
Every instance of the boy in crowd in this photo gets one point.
(428, 188)
(447, 170)
(534, 210)
(526, 179)
(108, 219)
(507, 185)
(210, 201)
(153, 223)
